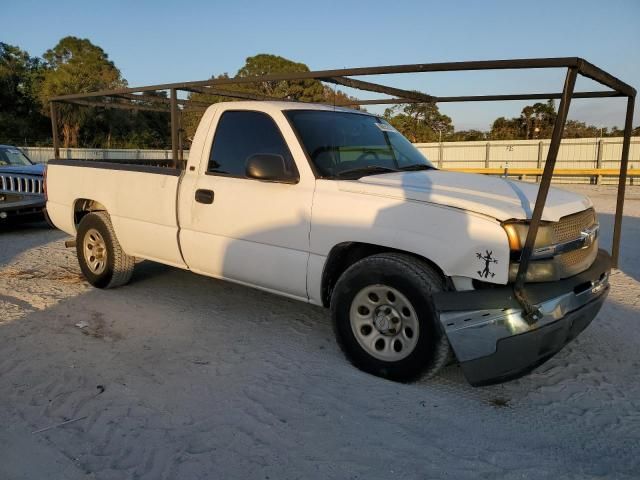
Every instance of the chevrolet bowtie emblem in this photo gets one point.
(589, 235)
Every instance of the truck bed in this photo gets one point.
(141, 200)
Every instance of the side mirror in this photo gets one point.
(269, 167)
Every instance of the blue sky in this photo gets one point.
(161, 41)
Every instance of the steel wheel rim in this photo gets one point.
(95, 251)
(384, 323)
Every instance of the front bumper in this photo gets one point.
(492, 340)
(24, 206)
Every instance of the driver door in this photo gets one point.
(242, 229)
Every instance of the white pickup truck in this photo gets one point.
(335, 207)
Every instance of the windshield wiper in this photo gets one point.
(368, 170)
(416, 167)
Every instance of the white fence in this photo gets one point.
(43, 154)
(574, 153)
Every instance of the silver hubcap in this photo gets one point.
(95, 251)
(384, 322)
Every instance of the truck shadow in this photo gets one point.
(199, 320)
(629, 261)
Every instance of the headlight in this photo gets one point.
(517, 235)
(561, 249)
(538, 271)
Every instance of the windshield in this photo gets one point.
(13, 157)
(344, 144)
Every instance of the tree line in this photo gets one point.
(73, 65)
(76, 65)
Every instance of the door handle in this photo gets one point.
(204, 196)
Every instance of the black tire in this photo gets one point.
(118, 266)
(414, 279)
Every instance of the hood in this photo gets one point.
(496, 197)
(37, 169)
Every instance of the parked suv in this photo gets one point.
(21, 186)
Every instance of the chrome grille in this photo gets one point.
(570, 227)
(578, 258)
(20, 184)
(571, 262)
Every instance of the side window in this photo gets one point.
(241, 134)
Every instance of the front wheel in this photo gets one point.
(384, 318)
(102, 260)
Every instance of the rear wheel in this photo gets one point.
(102, 260)
(384, 318)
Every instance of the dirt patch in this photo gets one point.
(97, 327)
(499, 402)
(58, 274)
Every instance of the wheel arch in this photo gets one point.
(83, 206)
(345, 254)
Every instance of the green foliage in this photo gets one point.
(265, 64)
(420, 122)
(20, 78)
(505, 129)
(261, 65)
(467, 136)
(336, 97)
(76, 65)
(535, 121)
(575, 129)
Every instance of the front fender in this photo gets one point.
(460, 243)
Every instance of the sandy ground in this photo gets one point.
(178, 376)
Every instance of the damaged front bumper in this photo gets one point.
(492, 340)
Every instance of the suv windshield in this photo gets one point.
(13, 157)
(352, 145)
